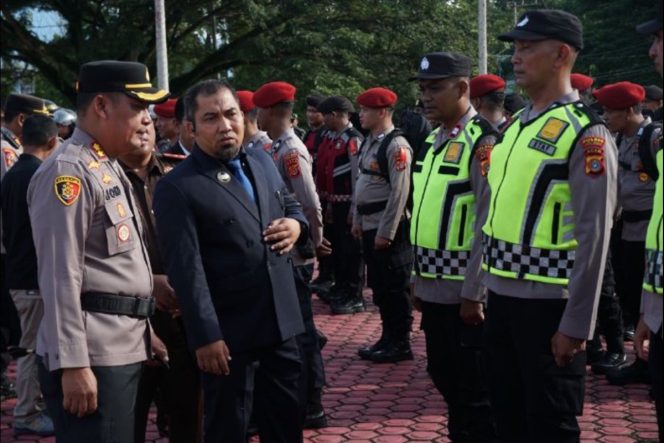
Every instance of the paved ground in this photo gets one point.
(398, 403)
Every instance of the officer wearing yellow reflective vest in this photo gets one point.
(448, 177)
(650, 323)
(551, 201)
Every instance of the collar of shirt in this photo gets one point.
(633, 138)
(375, 138)
(30, 158)
(185, 150)
(529, 114)
(444, 135)
(154, 168)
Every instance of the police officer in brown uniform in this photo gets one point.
(93, 267)
(380, 222)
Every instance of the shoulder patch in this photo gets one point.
(483, 156)
(553, 129)
(593, 151)
(453, 152)
(353, 146)
(292, 163)
(9, 157)
(67, 189)
(401, 158)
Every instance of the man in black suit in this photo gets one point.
(226, 223)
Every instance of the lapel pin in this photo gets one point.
(223, 177)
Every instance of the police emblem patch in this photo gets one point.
(424, 64)
(123, 232)
(401, 159)
(552, 130)
(593, 151)
(9, 157)
(223, 177)
(483, 156)
(643, 177)
(453, 152)
(292, 164)
(67, 189)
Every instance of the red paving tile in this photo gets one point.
(396, 403)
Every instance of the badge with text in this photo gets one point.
(453, 153)
(292, 164)
(593, 151)
(553, 129)
(67, 189)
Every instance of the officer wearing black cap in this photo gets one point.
(652, 105)
(650, 323)
(551, 200)
(448, 178)
(337, 171)
(17, 108)
(94, 271)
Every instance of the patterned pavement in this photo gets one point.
(395, 403)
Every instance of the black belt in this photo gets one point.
(371, 208)
(141, 307)
(636, 216)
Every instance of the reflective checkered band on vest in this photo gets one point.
(523, 259)
(654, 271)
(439, 263)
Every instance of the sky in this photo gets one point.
(46, 24)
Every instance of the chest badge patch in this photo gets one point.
(67, 189)
(553, 129)
(122, 212)
(106, 178)
(453, 152)
(123, 233)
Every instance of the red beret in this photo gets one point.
(377, 98)
(246, 100)
(485, 84)
(166, 109)
(271, 94)
(581, 82)
(620, 95)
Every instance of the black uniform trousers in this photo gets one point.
(10, 325)
(656, 370)
(455, 364)
(533, 399)
(270, 376)
(112, 422)
(346, 252)
(388, 276)
(313, 372)
(176, 390)
(632, 258)
(609, 314)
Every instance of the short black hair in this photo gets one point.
(204, 88)
(179, 109)
(252, 115)
(495, 101)
(38, 130)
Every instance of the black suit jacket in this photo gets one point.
(229, 285)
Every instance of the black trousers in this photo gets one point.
(10, 325)
(388, 276)
(455, 364)
(271, 377)
(176, 391)
(632, 267)
(609, 314)
(313, 371)
(533, 400)
(655, 363)
(346, 252)
(113, 422)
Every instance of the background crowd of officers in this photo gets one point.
(186, 236)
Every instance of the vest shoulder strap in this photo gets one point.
(381, 155)
(6, 135)
(645, 153)
(486, 128)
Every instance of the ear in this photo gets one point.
(52, 142)
(100, 106)
(476, 102)
(21, 119)
(464, 87)
(563, 56)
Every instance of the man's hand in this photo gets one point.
(159, 351)
(164, 294)
(282, 234)
(564, 348)
(356, 231)
(214, 358)
(472, 312)
(79, 390)
(381, 243)
(325, 249)
(641, 337)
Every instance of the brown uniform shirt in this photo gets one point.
(87, 239)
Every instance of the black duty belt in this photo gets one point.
(141, 307)
(371, 208)
(636, 216)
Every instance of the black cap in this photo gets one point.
(335, 103)
(545, 24)
(315, 100)
(654, 25)
(439, 65)
(653, 92)
(26, 104)
(132, 78)
(514, 103)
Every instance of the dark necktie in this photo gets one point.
(236, 169)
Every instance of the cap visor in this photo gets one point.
(649, 27)
(149, 95)
(517, 34)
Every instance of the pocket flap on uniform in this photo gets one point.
(118, 211)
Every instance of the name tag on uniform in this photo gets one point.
(553, 129)
(539, 145)
(453, 153)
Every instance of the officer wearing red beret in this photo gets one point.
(274, 106)
(487, 95)
(581, 82)
(254, 138)
(638, 142)
(166, 124)
(380, 222)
